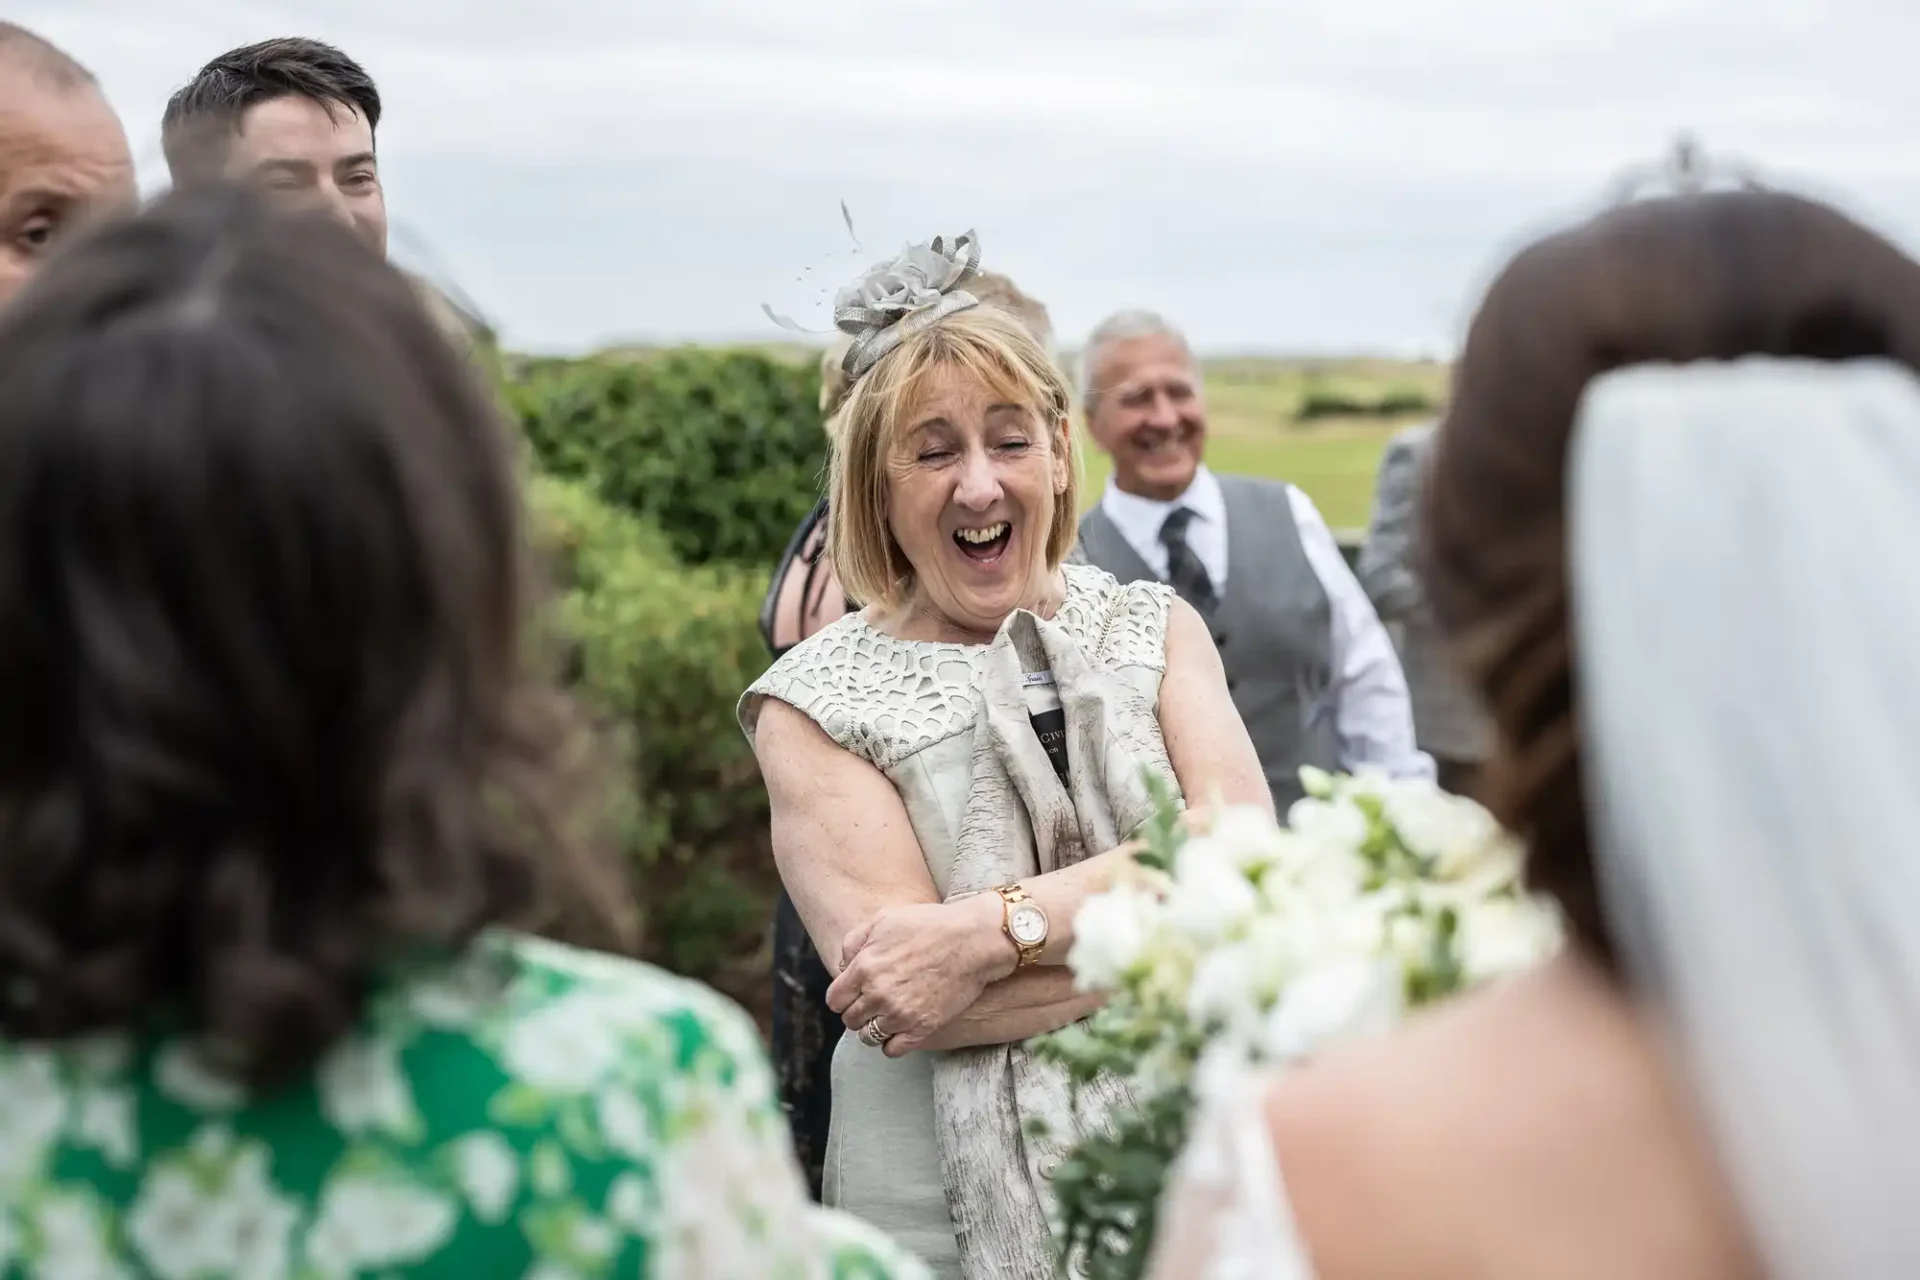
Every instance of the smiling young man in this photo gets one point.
(296, 116)
(63, 153)
(1309, 665)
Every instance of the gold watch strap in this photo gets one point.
(1011, 896)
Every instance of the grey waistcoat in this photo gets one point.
(1273, 626)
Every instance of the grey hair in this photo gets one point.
(1119, 327)
(39, 57)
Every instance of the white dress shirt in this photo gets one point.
(1373, 717)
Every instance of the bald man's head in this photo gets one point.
(63, 155)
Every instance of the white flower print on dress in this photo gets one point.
(180, 1074)
(624, 1124)
(488, 1171)
(33, 1111)
(365, 1223)
(633, 1204)
(73, 1240)
(103, 1119)
(569, 1047)
(214, 1211)
(363, 1090)
(731, 1171)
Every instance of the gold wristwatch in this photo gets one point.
(1024, 923)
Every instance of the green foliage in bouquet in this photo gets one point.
(1262, 944)
(721, 449)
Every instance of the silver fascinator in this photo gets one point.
(899, 298)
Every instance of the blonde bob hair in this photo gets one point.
(984, 343)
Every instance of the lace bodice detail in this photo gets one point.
(885, 699)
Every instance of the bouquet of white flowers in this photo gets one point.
(1239, 938)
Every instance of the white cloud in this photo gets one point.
(1275, 173)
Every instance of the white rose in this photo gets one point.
(1338, 930)
(1317, 783)
(1110, 934)
(1505, 935)
(1410, 939)
(1328, 822)
(1245, 835)
(1459, 836)
(1326, 1006)
(1224, 994)
(1211, 895)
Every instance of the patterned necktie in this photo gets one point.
(1185, 574)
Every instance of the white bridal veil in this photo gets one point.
(1746, 574)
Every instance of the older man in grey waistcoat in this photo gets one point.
(1308, 663)
(1448, 720)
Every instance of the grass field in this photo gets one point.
(1252, 425)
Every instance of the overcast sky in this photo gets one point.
(1293, 175)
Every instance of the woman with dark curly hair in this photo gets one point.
(1670, 524)
(277, 782)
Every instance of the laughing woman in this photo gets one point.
(953, 766)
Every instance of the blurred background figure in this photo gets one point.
(278, 781)
(63, 154)
(299, 119)
(804, 596)
(1449, 723)
(1704, 699)
(295, 116)
(1311, 669)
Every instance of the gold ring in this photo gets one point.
(871, 1034)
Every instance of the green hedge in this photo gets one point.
(1400, 402)
(723, 450)
(662, 650)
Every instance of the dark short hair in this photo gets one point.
(201, 119)
(42, 59)
(268, 722)
(1703, 277)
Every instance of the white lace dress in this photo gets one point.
(909, 709)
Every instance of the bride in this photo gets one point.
(1671, 519)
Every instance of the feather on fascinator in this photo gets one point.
(896, 299)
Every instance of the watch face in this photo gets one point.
(1028, 925)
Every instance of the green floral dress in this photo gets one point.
(532, 1112)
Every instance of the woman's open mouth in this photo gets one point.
(986, 544)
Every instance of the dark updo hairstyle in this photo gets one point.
(1700, 277)
(267, 722)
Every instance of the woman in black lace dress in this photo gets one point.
(803, 597)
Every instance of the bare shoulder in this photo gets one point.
(1521, 1132)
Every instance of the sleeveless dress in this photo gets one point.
(908, 708)
(525, 1110)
